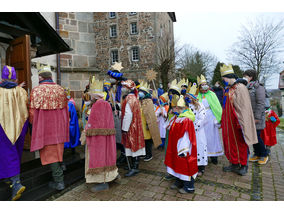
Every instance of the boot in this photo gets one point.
(148, 144)
(231, 168)
(134, 170)
(121, 160)
(17, 187)
(56, 185)
(242, 170)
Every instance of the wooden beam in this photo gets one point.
(5, 40)
(13, 29)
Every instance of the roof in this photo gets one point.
(172, 16)
(43, 36)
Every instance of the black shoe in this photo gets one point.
(214, 160)
(58, 186)
(148, 158)
(132, 172)
(242, 170)
(231, 168)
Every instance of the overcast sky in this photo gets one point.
(216, 31)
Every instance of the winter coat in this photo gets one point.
(257, 96)
(219, 91)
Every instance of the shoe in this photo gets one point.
(254, 158)
(132, 172)
(148, 158)
(214, 160)
(63, 166)
(58, 186)
(121, 160)
(17, 190)
(243, 170)
(183, 191)
(263, 160)
(100, 187)
(169, 177)
(230, 168)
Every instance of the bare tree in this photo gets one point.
(167, 52)
(193, 62)
(258, 47)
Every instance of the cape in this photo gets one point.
(182, 165)
(134, 139)
(151, 120)
(100, 138)
(268, 134)
(74, 129)
(13, 111)
(214, 103)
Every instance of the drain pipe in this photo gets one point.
(58, 71)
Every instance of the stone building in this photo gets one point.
(99, 39)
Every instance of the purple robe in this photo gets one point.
(10, 155)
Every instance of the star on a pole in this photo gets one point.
(117, 66)
(151, 75)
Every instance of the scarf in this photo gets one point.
(8, 84)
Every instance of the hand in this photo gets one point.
(23, 84)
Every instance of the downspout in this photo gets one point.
(58, 80)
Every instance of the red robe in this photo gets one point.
(181, 165)
(236, 149)
(134, 139)
(268, 134)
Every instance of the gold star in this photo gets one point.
(151, 75)
(117, 66)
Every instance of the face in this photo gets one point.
(247, 78)
(40, 78)
(204, 88)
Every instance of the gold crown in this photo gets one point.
(67, 90)
(181, 101)
(193, 89)
(175, 99)
(184, 82)
(225, 70)
(164, 97)
(154, 95)
(43, 69)
(201, 79)
(144, 86)
(175, 86)
(96, 86)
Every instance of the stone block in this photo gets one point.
(64, 76)
(73, 22)
(63, 63)
(70, 28)
(63, 34)
(64, 83)
(84, 16)
(80, 61)
(75, 85)
(74, 35)
(75, 76)
(67, 41)
(65, 56)
(91, 28)
(87, 37)
(71, 15)
(92, 61)
(63, 15)
(62, 21)
(83, 26)
(85, 48)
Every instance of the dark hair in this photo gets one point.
(231, 76)
(251, 73)
(46, 75)
(174, 92)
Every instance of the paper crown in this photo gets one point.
(225, 70)
(165, 97)
(192, 91)
(177, 86)
(117, 66)
(175, 99)
(67, 90)
(145, 87)
(9, 73)
(181, 101)
(43, 69)
(184, 82)
(96, 86)
(201, 79)
(154, 94)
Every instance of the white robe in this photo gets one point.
(201, 141)
(183, 147)
(127, 120)
(214, 146)
(161, 120)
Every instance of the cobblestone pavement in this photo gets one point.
(263, 182)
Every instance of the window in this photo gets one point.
(114, 56)
(113, 32)
(133, 28)
(135, 54)
(132, 13)
(112, 15)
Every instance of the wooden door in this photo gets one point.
(18, 56)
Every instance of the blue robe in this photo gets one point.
(73, 128)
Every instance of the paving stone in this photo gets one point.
(202, 198)
(169, 198)
(229, 198)
(245, 196)
(158, 196)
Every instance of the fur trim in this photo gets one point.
(94, 171)
(94, 132)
